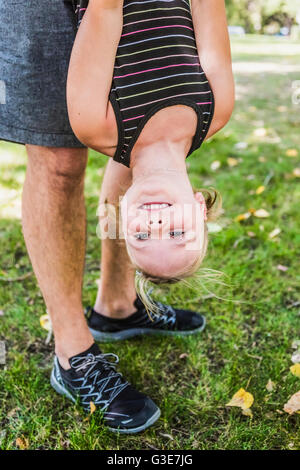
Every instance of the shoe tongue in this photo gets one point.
(138, 303)
(94, 349)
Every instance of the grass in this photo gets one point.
(246, 342)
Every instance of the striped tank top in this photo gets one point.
(156, 66)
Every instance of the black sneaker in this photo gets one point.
(170, 321)
(93, 378)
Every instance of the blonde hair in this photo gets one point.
(143, 280)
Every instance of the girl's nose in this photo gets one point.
(155, 221)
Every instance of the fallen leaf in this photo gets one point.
(242, 399)
(295, 369)
(12, 412)
(296, 357)
(261, 213)
(252, 210)
(293, 405)
(241, 145)
(167, 435)
(282, 109)
(280, 267)
(296, 344)
(296, 172)
(232, 161)
(260, 132)
(213, 227)
(260, 189)
(262, 159)
(291, 153)
(183, 356)
(22, 443)
(270, 385)
(215, 165)
(274, 233)
(241, 217)
(247, 412)
(92, 407)
(45, 322)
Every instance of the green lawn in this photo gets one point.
(246, 342)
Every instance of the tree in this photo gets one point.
(253, 15)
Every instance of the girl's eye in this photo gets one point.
(177, 234)
(142, 236)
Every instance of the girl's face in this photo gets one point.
(163, 224)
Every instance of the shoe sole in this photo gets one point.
(131, 332)
(63, 391)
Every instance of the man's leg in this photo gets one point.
(116, 292)
(54, 227)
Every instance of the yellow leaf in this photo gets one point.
(247, 412)
(22, 443)
(260, 189)
(293, 405)
(274, 233)
(232, 161)
(45, 322)
(242, 399)
(261, 213)
(296, 172)
(291, 153)
(92, 407)
(282, 109)
(241, 217)
(295, 370)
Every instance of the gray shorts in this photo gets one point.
(36, 38)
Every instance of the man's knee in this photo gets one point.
(61, 168)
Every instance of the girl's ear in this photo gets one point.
(201, 200)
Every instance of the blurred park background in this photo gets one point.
(252, 334)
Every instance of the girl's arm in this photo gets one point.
(212, 38)
(91, 68)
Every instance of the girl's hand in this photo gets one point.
(91, 70)
(212, 38)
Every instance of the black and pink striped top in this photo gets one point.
(156, 66)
